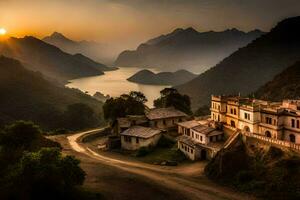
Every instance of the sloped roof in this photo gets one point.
(206, 130)
(140, 131)
(189, 124)
(164, 113)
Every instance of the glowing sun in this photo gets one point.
(2, 31)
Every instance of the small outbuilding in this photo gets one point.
(136, 137)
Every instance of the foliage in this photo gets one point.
(27, 95)
(165, 142)
(79, 116)
(264, 173)
(202, 111)
(170, 97)
(126, 104)
(143, 151)
(45, 173)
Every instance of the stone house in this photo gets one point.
(136, 137)
(165, 118)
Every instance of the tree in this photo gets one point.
(45, 174)
(80, 116)
(21, 135)
(126, 104)
(170, 97)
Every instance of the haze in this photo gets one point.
(127, 23)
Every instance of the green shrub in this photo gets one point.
(165, 142)
(143, 151)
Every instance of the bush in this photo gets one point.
(244, 176)
(165, 142)
(143, 151)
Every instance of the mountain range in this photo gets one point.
(99, 52)
(26, 95)
(250, 67)
(40, 56)
(186, 49)
(162, 78)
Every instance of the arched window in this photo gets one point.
(292, 138)
(247, 129)
(232, 123)
(268, 134)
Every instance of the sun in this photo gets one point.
(2, 31)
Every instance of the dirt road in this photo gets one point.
(127, 179)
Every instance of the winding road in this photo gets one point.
(181, 182)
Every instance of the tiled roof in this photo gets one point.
(195, 144)
(206, 130)
(163, 113)
(124, 122)
(189, 124)
(140, 131)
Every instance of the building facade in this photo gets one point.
(199, 141)
(277, 120)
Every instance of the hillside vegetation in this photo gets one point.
(268, 172)
(285, 85)
(250, 67)
(26, 95)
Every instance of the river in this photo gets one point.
(114, 83)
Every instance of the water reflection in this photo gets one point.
(114, 83)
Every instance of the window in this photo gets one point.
(298, 124)
(292, 138)
(192, 134)
(164, 122)
(200, 138)
(192, 151)
(181, 145)
(234, 111)
(231, 110)
(247, 116)
(232, 123)
(137, 140)
(293, 123)
(127, 139)
(269, 120)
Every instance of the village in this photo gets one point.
(232, 117)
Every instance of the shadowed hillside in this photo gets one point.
(50, 60)
(186, 49)
(26, 95)
(250, 67)
(285, 85)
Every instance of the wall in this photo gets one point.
(169, 123)
(142, 142)
(188, 153)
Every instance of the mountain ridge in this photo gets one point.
(188, 48)
(250, 67)
(49, 60)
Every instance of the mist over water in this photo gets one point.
(114, 83)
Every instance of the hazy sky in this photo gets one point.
(129, 22)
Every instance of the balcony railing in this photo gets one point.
(273, 140)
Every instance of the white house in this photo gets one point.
(136, 137)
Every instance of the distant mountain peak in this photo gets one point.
(58, 35)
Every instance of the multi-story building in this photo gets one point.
(277, 120)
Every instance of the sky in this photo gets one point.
(127, 23)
